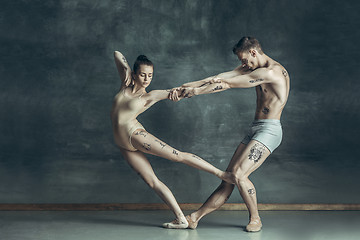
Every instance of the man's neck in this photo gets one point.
(264, 60)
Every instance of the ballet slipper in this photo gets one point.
(254, 225)
(176, 224)
(192, 224)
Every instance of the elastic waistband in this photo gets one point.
(275, 121)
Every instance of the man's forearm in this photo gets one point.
(199, 83)
(211, 88)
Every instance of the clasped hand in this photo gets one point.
(176, 94)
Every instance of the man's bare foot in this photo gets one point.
(229, 177)
(192, 224)
(176, 224)
(254, 225)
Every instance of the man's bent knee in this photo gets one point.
(240, 178)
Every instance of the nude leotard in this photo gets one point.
(123, 115)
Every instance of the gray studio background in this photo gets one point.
(58, 78)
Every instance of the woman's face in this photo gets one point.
(143, 76)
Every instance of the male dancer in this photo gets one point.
(272, 85)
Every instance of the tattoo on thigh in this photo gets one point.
(175, 152)
(124, 59)
(217, 88)
(161, 144)
(266, 110)
(256, 152)
(147, 146)
(141, 133)
(284, 73)
(251, 191)
(256, 80)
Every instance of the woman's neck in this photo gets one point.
(136, 89)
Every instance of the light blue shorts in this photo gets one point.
(265, 131)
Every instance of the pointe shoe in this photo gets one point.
(176, 224)
(254, 225)
(192, 224)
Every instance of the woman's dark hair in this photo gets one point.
(141, 60)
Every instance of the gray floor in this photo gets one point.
(109, 225)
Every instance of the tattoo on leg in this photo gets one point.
(141, 133)
(161, 144)
(256, 152)
(196, 157)
(251, 191)
(147, 146)
(175, 152)
(266, 110)
(284, 73)
(217, 88)
(124, 59)
(257, 80)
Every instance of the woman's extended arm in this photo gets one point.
(156, 96)
(123, 68)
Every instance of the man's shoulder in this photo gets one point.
(276, 71)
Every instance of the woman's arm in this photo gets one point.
(156, 96)
(123, 68)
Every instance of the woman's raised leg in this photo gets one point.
(147, 143)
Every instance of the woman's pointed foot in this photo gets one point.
(254, 225)
(176, 224)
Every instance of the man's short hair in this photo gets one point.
(247, 43)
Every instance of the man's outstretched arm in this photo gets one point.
(224, 82)
(208, 80)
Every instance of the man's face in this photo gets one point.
(248, 59)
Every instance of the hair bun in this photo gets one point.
(142, 58)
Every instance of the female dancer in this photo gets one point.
(134, 140)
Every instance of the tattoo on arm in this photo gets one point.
(161, 144)
(141, 133)
(124, 59)
(217, 88)
(175, 152)
(205, 84)
(256, 152)
(257, 80)
(266, 110)
(194, 156)
(284, 73)
(251, 191)
(147, 146)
